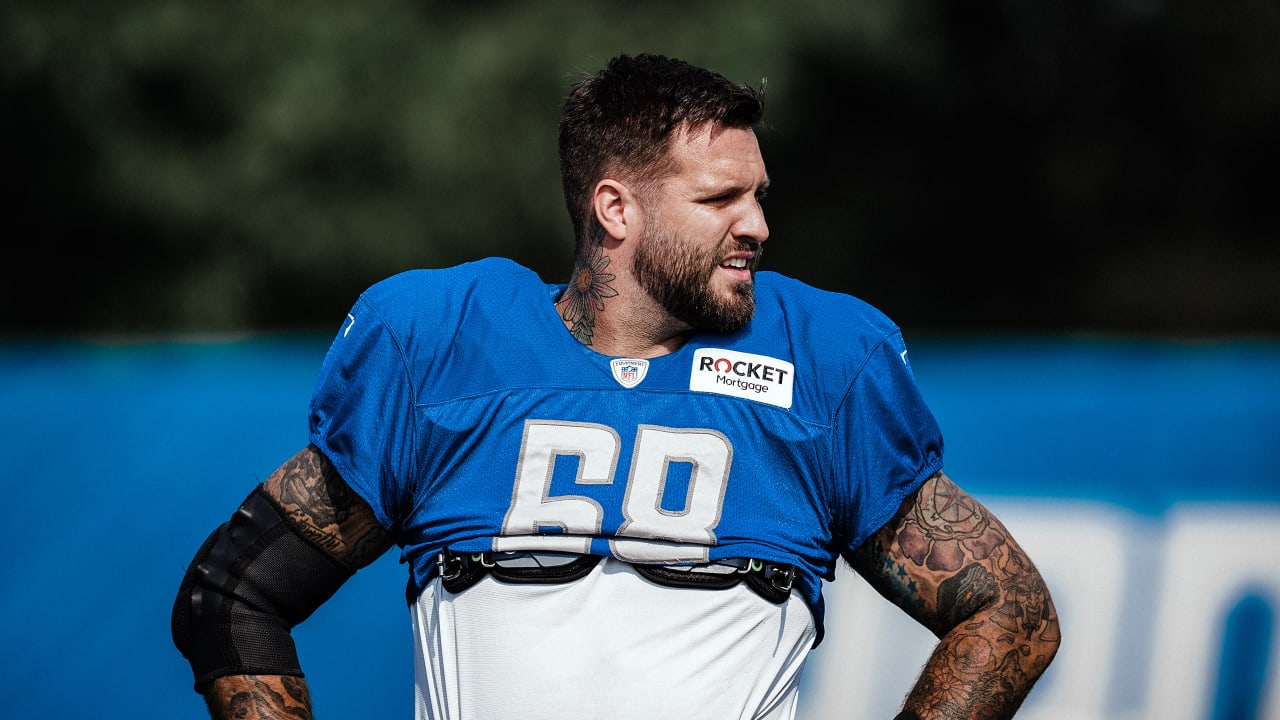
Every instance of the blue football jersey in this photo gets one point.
(455, 402)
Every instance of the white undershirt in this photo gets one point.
(611, 645)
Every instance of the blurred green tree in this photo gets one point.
(188, 167)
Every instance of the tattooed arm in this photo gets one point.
(325, 510)
(951, 565)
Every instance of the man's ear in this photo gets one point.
(615, 207)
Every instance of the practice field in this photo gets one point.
(1140, 475)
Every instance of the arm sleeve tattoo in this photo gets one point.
(948, 562)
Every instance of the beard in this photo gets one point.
(678, 277)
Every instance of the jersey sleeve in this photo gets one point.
(887, 441)
(361, 413)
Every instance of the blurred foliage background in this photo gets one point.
(1049, 167)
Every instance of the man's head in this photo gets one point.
(620, 122)
(660, 163)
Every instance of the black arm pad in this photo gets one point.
(251, 581)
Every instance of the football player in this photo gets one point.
(619, 497)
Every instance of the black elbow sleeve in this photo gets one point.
(250, 583)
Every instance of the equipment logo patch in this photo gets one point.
(754, 377)
(629, 371)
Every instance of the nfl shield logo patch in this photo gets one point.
(629, 371)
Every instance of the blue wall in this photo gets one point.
(118, 459)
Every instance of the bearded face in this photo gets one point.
(681, 276)
(702, 228)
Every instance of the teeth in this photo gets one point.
(735, 262)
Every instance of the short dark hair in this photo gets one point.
(621, 120)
